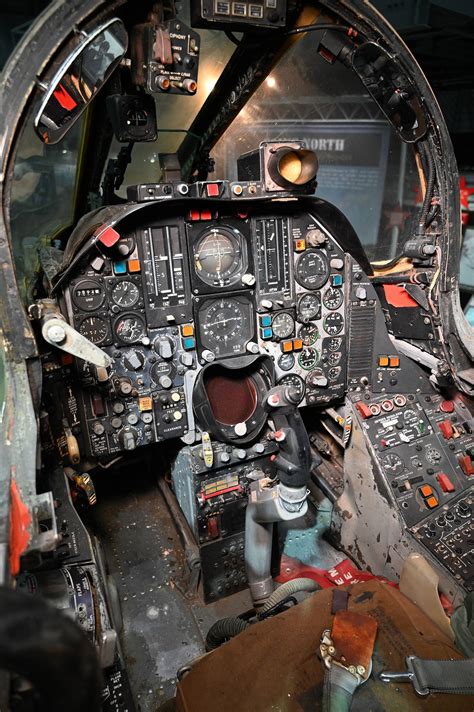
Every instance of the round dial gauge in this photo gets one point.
(286, 362)
(334, 344)
(283, 325)
(432, 455)
(334, 358)
(130, 328)
(393, 464)
(94, 328)
(334, 372)
(309, 334)
(218, 256)
(410, 417)
(333, 323)
(309, 307)
(308, 358)
(293, 380)
(225, 326)
(88, 295)
(333, 298)
(125, 294)
(312, 269)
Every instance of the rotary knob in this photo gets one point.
(164, 347)
(128, 439)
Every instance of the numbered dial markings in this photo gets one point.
(308, 358)
(286, 362)
(393, 464)
(125, 294)
(312, 269)
(130, 328)
(293, 380)
(333, 324)
(283, 325)
(218, 256)
(94, 328)
(309, 307)
(333, 298)
(309, 334)
(225, 325)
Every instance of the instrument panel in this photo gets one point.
(178, 294)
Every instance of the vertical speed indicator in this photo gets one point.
(272, 249)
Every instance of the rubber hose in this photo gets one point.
(429, 191)
(224, 630)
(287, 589)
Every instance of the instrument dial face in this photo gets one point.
(334, 373)
(125, 294)
(292, 379)
(308, 358)
(312, 269)
(94, 328)
(218, 256)
(333, 323)
(283, 325)
(309, 334)
(433, 456)
(225, 325)
(309, 307)
(334, 344)
(130, 328)
(88, 295)
(286, 362)
(333, 298)
(393, 464)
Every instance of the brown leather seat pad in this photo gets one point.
(274, 665)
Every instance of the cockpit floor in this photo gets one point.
(164, 620)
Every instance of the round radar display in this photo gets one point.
(218, 256)
(312, 269)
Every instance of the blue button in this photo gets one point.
(265, 320)
(189, 343)
(120, 267)
(336, 280)
(266, 333)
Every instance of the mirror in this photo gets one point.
(79, 79)
(392, 89)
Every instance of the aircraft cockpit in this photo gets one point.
(237, 451)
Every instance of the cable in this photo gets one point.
(322, 26)
(287, 589)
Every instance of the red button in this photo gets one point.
(466, 465)
(108, 237)
(446, 428)
(194, 215)
(212, 190)
(364, 410)
(206, 215)
(445, 482)
(446, 406)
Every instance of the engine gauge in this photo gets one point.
(286, 362)
(292, 379)
(94, 328)
(334, 344)
(393, 464)
(283, 325)
(218, 256)
(309, 307)
(308, 358)
(433, 456)
(125, 294)
(333, 323)
(309, 334)
(333, 298)
(334, 358)
(334, 373)
(130, 328)
(88, 295)
(312, 269)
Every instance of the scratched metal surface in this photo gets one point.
(164, 627)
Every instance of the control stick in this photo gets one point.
(279, 500)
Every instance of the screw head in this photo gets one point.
(56, 334)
